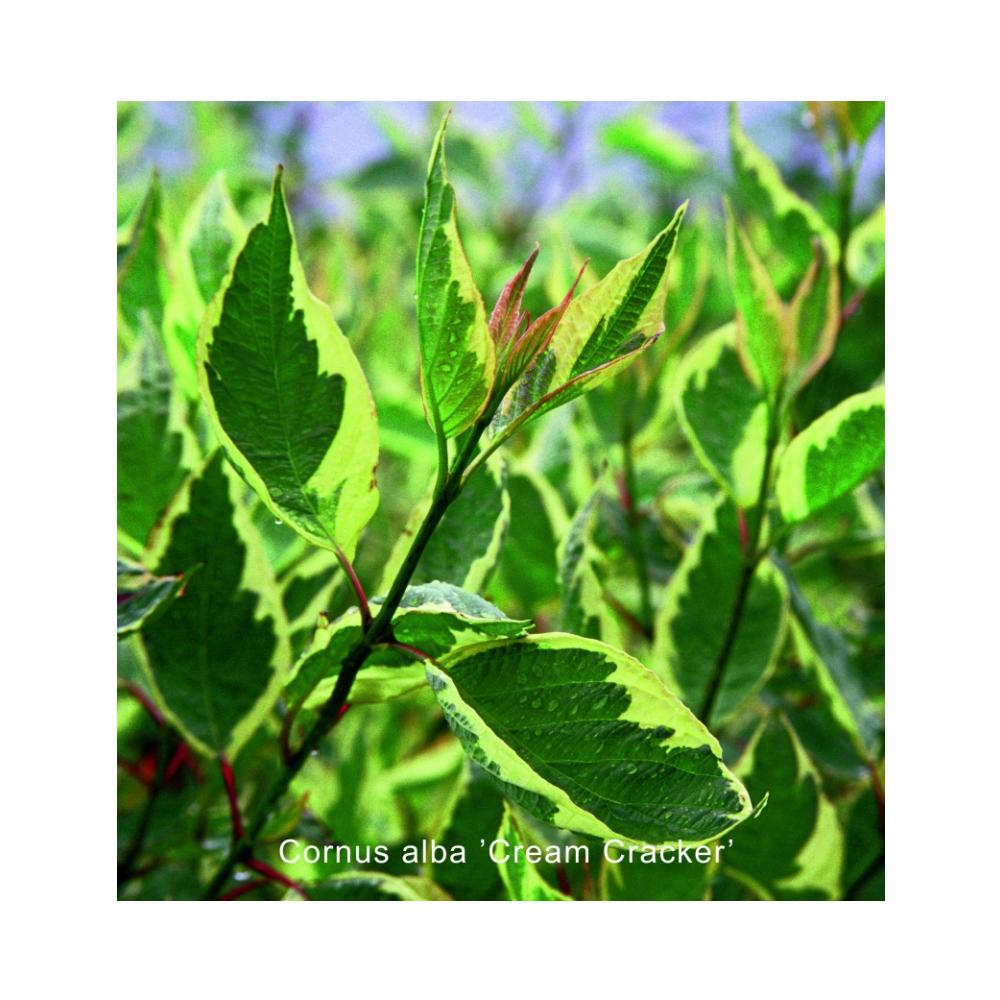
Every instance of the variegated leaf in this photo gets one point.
(582, 736)
(286, 394)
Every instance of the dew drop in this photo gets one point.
(522, 699)
(553, 705)
(536, 703)
(275, 491)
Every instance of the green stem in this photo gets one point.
(380, 630)
(751, 557)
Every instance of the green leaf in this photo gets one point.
(584, 610)
(790, 221)
(457, 356)
(662, 148)
(286, 394)
(763, 338)
(723, 415)
(217, 657)
(519, 874)
(141, 276)
(466, 545)
(433, 618)
(142, 596)
(864, 117)
(526, 576)
(794, 848)
(825, 653)
(813, 318)
(601, 332)
(866, 249)
(864, 849)
(655, 876)
(475, 816)
(833, 455)
(156, 448)
(584, 737)
(212, 235)
(694, 619)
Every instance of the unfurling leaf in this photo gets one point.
(598, 334)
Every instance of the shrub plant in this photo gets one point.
(618, 631)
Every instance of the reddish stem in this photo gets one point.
(879, 792)
(359, 592)
(276, 876)
(143, 699)
(744, 534)
(182, 757)
(851, 306)
(564, 886)
(234, 806)
(624, 497)
(242, 890)
(412, 650)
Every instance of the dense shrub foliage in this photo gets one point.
(501, 553)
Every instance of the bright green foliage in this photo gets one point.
(794, 848)
(378, 664)
(286, 394)
(457, 357)
(656, 145)
(695, 619)
(863, 118)
(519, 874)
(781, 346)
(584, 737)
(155, 447)
(761, 323)
(140, 263)
(813, 318)
(790, 221)
(723, 415)
(211, 237)
(833, 455)
(217, 655)
(866, 249)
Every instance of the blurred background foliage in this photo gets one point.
(589, 182)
